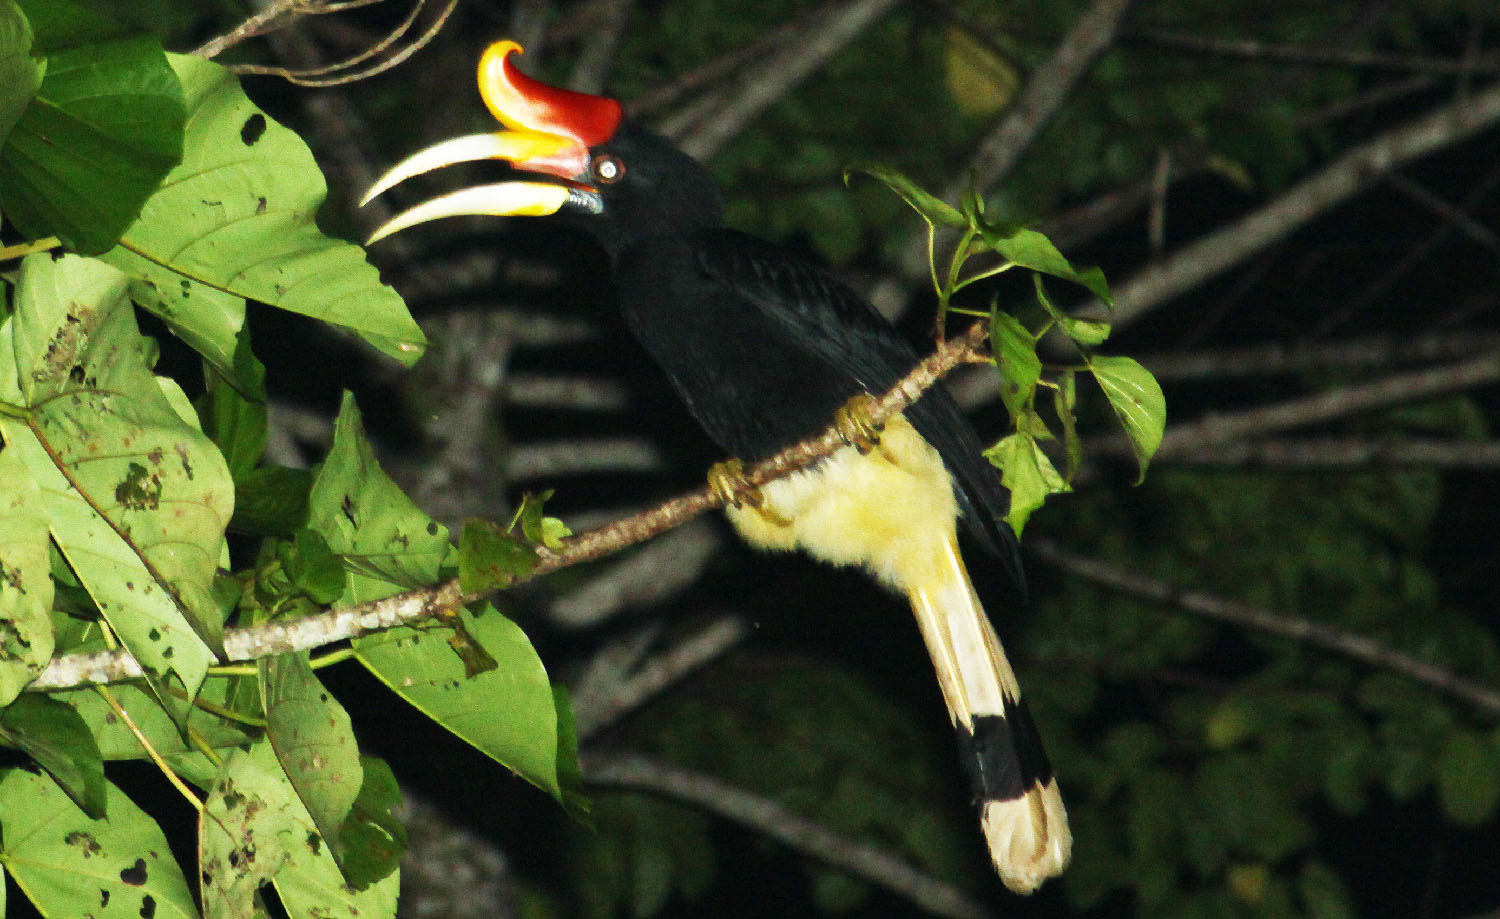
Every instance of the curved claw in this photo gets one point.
(856, 425)
(727, 482)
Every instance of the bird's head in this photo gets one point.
(582, 157)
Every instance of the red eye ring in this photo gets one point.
(607, 169)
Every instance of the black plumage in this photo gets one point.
(765, 349)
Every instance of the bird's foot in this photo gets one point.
(728, 483)
(855, 422)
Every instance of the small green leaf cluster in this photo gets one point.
(144, 180)
(1132, 392)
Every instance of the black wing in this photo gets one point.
(764, 348)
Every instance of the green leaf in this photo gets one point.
(1086, 332)
(117, 742)
(103, 130)
(1468, 778)
(25, 582)
(507, 713)
(539, 529)
(234, 411)
(1016, 359)
(237, 216)
(313, 740)
(569, 773)
(933, 209)
(314, 568)
(489, 558)
(1065, 404)
(1031, 249)
(387, 542)
(61, 24)
(373, 838)
(55, 735)
(254, 829)
(271, 501)
(136, 497)
(20, 73)
(1027, 473)
(71, 865)
(1137, 400)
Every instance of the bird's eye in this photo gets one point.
(608, 169)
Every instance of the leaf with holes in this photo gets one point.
(507, 711)
(25, 582)
(313, 740)
(237, 219)
(71, 865)
(136, 496)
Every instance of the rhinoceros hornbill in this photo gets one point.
(765, 349)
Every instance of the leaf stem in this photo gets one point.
(156, 757)
(23, 249)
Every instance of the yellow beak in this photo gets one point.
(538, 151)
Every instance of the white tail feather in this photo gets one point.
(1028, 834)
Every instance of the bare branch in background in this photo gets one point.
(615, 685)
(1233, 612)
(875, 866)
(1306, 55)
(591, 70)
(777, 74)
(555, 459)
(1330, 404)
(646, 578)
(1323, 453)
(1301, 357)
(1354, 171)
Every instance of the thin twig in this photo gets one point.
(258, 24)
(876, 866)
(315, 631)
(1315, 634)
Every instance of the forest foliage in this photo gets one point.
(1203, 765)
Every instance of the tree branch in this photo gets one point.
(875, 866)
(1233, 612)
(255, 642)
(1336, 402)
(1349, 174)
(1319, 56)
(1280, 359)
(611, 689)
(1339, 453)
(777, 75)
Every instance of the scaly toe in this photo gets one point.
(855, 423)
